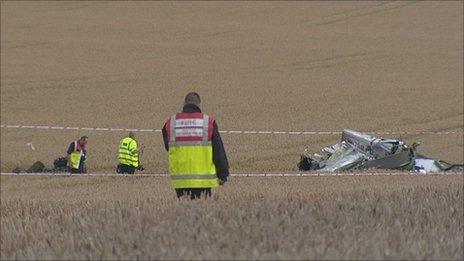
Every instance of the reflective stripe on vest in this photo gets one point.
(127, 156)
(190, 152)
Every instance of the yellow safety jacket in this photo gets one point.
(127, 152)
(75, 157)
(190, 151)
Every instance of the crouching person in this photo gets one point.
(77, 154)
(129, 155)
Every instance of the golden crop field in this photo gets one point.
(322, 66)
(359, 217)
(259, 66)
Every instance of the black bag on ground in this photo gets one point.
(61, 162)
(37, 167)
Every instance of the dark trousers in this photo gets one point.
(193, 193)
(126, 169)
(77, 171)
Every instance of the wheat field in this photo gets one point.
(367, 217)
(259, 66)
(380, 66)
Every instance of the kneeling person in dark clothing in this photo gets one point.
(197, 159)
(129, 150)
(77, 154)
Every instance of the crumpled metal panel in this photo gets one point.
(402, 160)
(359, 150)
(346, 157)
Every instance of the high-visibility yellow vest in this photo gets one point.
(127, 152)
(190, 151)
(76, 156)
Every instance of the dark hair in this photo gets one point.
(192, 98)
(84, 138)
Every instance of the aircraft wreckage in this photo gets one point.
(358, 150)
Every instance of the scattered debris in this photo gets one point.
(358, 150)
(30, 145)
(60, 164)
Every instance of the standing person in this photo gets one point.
(129, 150)
(77, 154)
(197, 159)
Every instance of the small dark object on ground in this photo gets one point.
(37, 167)
(60, 165)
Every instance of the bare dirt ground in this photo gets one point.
(369, 217)
(297, 66)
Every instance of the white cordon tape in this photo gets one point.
(44, 127)
(313, 174)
